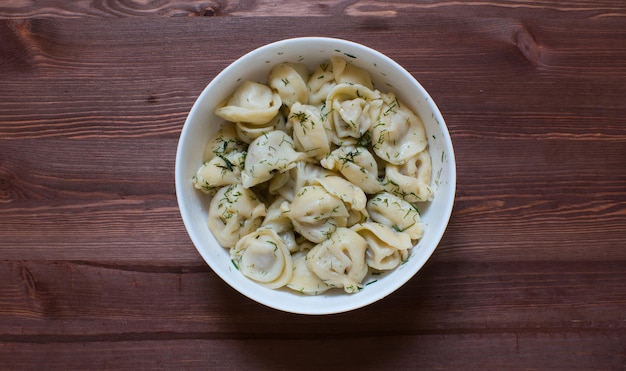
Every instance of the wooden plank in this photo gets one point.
(107, 230)
(265, 8)
(119, 301)
(536, 350)
(140, 81)
(100, 138)
(88, 169)
(60, 206)
(97, 269)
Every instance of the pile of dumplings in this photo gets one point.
(316, 178)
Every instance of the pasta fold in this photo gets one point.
(339, 261)
(269, 154)
(252, 102)
(234, 212)
(263, 257)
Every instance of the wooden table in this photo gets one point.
(98, 272)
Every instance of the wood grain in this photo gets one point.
(49, 298)
(547, 351)
(299, 8)
(96, 268)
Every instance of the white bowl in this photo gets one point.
(387, 75)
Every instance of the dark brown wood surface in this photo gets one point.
(96, 268)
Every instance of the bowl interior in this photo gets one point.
(387, 75)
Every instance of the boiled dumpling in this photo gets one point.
(234, 212)
(269, 154)
(399, 133)
(252, 102)
(353, 109)
(411, 181)
(220, 171)
(396, 213)
(345, 72)
(280, 223)
(386, 248)
(289, 80)
(316, 214)
(322, 80)
(303, 280)
(263, 257)
(224, 142)
(247, 132)
(353, 197)
(356, 164)
(289, 183)
(310, 133)
(340, 260)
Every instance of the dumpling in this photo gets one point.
(280, 223)
(386, 248)
(252, 102)
(289, 183)
(269, 154)
(234, 212)
(247, 132)
(310, 133)
(303, 280)
(224, 142)
(346, 191)
(357, 164)
(394, 212)
(220, 171)
(345, 72)
(399, 133)
(289, 80)
(263, 257)
(352, 196)
(316, 214)
(353, 109)
(411, 181)
(340, 260)
(322, 80)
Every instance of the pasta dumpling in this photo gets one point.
(322, 80)
(247, 132)
(289, 183)
(316, 214)
(220, 171)
(386, 248)
(411, 181)
(345, 72)
(394, 212)
(353, 197)
(399, 133)
(276, 220)
(234, 211)
(269, 154)
(347, 192)
(356, 164)
(252, 102)
(352, 110)
(303, 280)
(309, 131)
(289, 80)
(224, 142)
(263, 257)
(340, 260)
